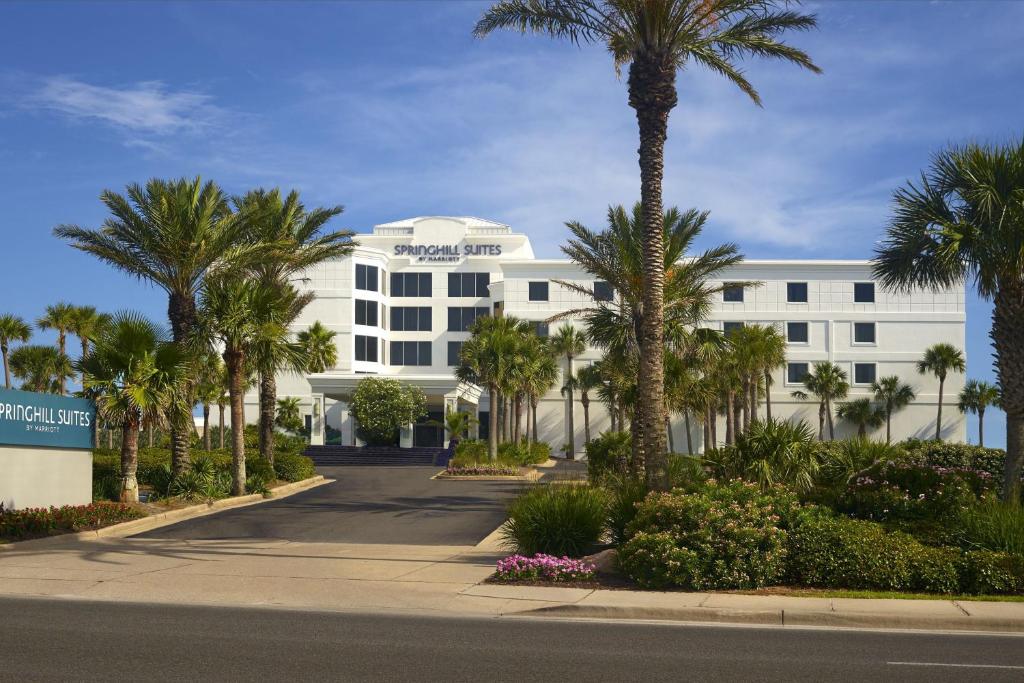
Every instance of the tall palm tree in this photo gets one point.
(763, 350)
(12, 329)
(569, 343)
(965, 220)
(863, 414)
(138, 373)
(87, 324)
(319, 347)
(41, 368)
(657, 39)
(975, 398)
(295, 241)
(541, 376)
(893, 395)
(237, 316)
(587, 379)
(59, 317)
(616, 256)
(939, 360)
(828, 383)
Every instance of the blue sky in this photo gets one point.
(394, 110)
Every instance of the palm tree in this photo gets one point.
(138, 374)
(12, 329)
(964, 220)
(939, 360)
(238, 316)
(171, 233)
(319, 347)
(208, 390)
(616, 256)
(828, 383)
(295, 242)
(289, 414)
(540, 376)
(763, 350)
(587, 379)
(657, 39)
(863, 414)
(87, 324)
(59, 317)
(41, 368)
(893, 395)
(975, 398)
(570, 343)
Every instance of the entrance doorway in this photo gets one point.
(425, 435)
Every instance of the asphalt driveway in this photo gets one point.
(399, 505)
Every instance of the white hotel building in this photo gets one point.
(401, 304)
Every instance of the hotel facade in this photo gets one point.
(402, 302)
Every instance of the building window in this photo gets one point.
(366, 277)
(863, 333)
(732, 293)
(411, 284)
(366, 348)
(863, 373)
(410, 353)
(411, 319)
(798, 333)
(454, 353)
(796, 292)
(796, 372)
(540, 328)
(731, 326)
(461, 318)
(483, 426)
(603, 291)
(366, 313)
(538, 291)
(469, 284)
(864, 292)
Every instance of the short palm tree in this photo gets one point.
(208, 389)
(569, 343)
(863, 413)
(828, 383)
(657, 39)
(41, 368)
(975, 398)
(61, 318)
(587, 379)
(319, 347)
(170, 233)
(138, 374)
(939, 360)
(894, 395)
(289, 414)
(12, 329)
(964, 220)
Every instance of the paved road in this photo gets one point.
(365, 505)
(51, 640)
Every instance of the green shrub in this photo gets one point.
(953, 455)
(559, 519)
(625, 493)
(470, 452)
(909, 493)
(994, 525)
(842, 461)
(37, 522)
(771, 452)
(522, 453)
(293, 466)
(685, 471)
(609, 453)
(723, 536)
(838, 552)
(382, 405)
(985, 572)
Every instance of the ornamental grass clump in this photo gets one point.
(557, 519)
(543, 567)
(994, 525)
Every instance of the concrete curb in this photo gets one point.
(171, 516)
(782, 617)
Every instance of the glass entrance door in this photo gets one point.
(428, 435)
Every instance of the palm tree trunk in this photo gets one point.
(533, 412)
(149, 436)
(621, 408)
(652, 93)
(821, 421)
(862, 430)
(234, 360)
(96, 433)
(831, 423)
(981, 427)
(671, 438)
(708, 443)
(268, 405)
(888, 424)
(62, 348)
(713, 421)
(206, 427)
(1007, 332)
(689, 437)
(7, 369)
(938, 418)
(746, 406)
(570, 422)
(753, 399)
(767, 395)
(181, 311)
(517, 415)
(130, 460)
(586, 418)
(730, 422)
(492, 422)
(220, 437)
(110, 437)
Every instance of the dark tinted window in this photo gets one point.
(469, 284)
(454, 349)
(732, 293)
(603, 291)
(864, 333)
(795, 373)
(538, 291)
(796, 292)
(797, 332)
(366, 313)
(410, 353)
(731, 326)
(460, 318)
(863, 373)
(864, 292)
(366, 348)
(411, 284)
(366, 277)
(411, 319)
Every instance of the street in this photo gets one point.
(50, 640)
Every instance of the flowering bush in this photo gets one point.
(482, 470)
(544, 567)
(958, 456)
(729, 535)
(36, 522)
(382, 406)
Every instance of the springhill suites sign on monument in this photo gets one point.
(31, 419)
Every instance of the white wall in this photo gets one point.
(41, 477)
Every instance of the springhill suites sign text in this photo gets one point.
(445, 253)
(31, 419)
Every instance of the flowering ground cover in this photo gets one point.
(542, 567)
(482, 470)
(20, 525)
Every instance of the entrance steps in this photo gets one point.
(336, 456)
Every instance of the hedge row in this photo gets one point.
(40, 522)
